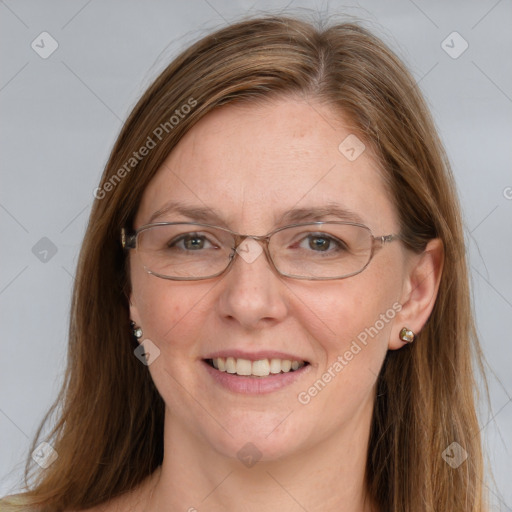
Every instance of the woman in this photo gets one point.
(271, 308)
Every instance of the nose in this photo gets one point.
(253, 294)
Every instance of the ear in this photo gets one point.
(419, 291)
(134, 312)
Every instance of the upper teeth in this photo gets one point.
(260, 368)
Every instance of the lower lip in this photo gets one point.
(255, 385)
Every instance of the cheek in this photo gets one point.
(350, 310)
(170, 313)
(350, 322)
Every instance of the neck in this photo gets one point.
(329, 476)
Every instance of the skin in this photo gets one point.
(251, 163)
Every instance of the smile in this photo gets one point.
(257, 376)
(259, 368)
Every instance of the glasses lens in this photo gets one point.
(184, 251)
(321, 251)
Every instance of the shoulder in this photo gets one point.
(14, 504)
(18, 503)
(134, 500)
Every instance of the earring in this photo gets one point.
(137, 331)
(407, 336)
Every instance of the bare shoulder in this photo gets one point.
(114, 505)
(109, 506)
(135, 500)
(19, 504)
(14, 503)
(122, 503)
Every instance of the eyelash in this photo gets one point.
(339, 245)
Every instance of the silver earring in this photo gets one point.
(137, 331)
(407, 336)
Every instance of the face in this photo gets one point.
(247, 167)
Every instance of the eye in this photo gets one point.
(321, 242)
(191, 242)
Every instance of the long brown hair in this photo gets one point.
(109, 427)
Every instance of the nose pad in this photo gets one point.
(249, 250)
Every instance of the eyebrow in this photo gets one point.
(296, 215)
(316, 213)
(195, 213)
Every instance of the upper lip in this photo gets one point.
(254, 356)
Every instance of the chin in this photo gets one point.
(262, 436)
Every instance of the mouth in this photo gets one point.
(261, 368)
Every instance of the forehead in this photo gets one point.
(252, 163)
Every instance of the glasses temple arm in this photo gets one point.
(128, 241)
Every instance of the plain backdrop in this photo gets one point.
(60, 115)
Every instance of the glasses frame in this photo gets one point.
(129, 241)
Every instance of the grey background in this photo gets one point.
(61, 115)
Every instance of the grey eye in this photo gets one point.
(319, 243)
(191, 242)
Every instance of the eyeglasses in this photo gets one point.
(316, 251)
